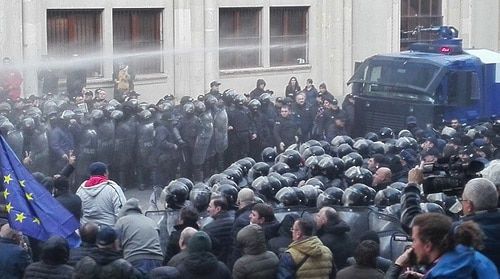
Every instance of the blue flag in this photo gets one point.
(31, 208)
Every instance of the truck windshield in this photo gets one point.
(395, 78)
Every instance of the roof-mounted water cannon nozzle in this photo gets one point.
(446, 43)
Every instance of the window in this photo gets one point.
(137, 39)
(419, 14)
(71, 32)
(239, 38)
(289, 36)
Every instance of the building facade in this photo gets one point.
(179, 46)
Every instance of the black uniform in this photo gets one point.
(285, 130)
(239, 136)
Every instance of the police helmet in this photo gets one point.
(200, 197)
(405, 133)
(371, 136)
(352, 159)
(175, 193)
(199, 107)
(239, 100)
(331, 167)
(269, 154)
(337, 141)
(259, 169)
(311, 193)
(398, 185)
(291, 158)
(358, 175)
(313, 150)
(145, 114)
(97, 114)
(265, 98)
(313, 181)
(264, 187)
(67, 114)
(357, 195)
(326, 146)
(330, 197)
(386, 133)
(254, 104)
(280, 168)
(117, 114)
(188, 108)
(344, 149)
(210, 100)
(362, 147)
(387, 196)
(291, 179)
(403, 143)
(186, 182)
(230, 193)
(287, 196)
(430, 207)
(282, 180)
(244, 164)
(312, 164)
(308, 144)
(234, 173)
(377, 147)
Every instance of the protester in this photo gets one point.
(14, 258)
(366, 261)
(186, 235)
(220, 229)
(88, 235)
(53, 264)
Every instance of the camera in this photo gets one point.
(449, 175)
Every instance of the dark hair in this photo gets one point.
(322, 85)
(265, 211)
(55, 251)
(309, 80)
(88, 232)
(366, 253)
(189, 216)
(286, 107)
(331, 216)
(433, 228)
(220, 202)
(306, 226)
(61, 183)
(467, 233)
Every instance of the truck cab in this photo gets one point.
(434, 82)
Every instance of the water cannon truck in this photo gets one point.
(435, 82)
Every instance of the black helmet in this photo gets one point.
(308, 144)
(291, 179)
(358, 175)
(276, 176)
(188, 108)
(387, 197)
(145, 115)
(291, 158)
(371, 136)
(313, 150)
(331, 167)
(269, 154)
(344, 149)
(377, 147)
(186, 182)
(251, 160)
(239, 100)
(254, 105)
(330, 197)
(287, 196)
(199, 107)
(405, 133)
(390, 147)
(175, 193)
(97, 114)
(312, 164)
(265, 98)
(316, 183)
(216, 178)
(386, 133)
(230, 193)
(326, 146)
(264, 187)
(245, 165)
(311, 193)
(117, 114)
(430, 207)
(280, 168)
(357, 195)
(337, 141)
(403, 143)
(234, 173)
(362, 147)
(302, 197)
(398, 185)
(352, 159)
(200, 197)
(259, 169)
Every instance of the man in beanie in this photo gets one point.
(68, 199)
(200, 262)
(139, 238)
(106, 261)
(54, 258)
(245, 201)
(101, 198)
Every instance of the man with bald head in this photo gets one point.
(88, 234)
(382, 178)
(479, 203)
(186, 235)
(333, 232)
(13, 258)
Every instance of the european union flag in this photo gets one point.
(30, 207)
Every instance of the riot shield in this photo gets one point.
(357, 219)
(105, 141)
(220, 130)
(203, 139)
(40, 152)
(15, 140)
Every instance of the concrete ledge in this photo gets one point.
(247, 71)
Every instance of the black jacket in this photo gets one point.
(78, 253)
(203, 265)
(104, 264)
(173, 241)
(335, 237)
(220, 233)
(285, 130)
(13, 259)
(43, 270)
(72, 203)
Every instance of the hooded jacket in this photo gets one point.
(103, 264)
(316, 260)
(256, 261)
(463, 262)
(138, 234)
(335, 237)
(101, 202)
(279, 243)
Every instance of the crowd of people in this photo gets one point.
(226, 163)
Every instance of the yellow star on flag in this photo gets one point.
(29, 196)
(36, 220)
(5, 194)
(8, 207)
(20, 217)
(22, 183)
(7, 179)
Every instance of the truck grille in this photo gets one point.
(376, 120)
